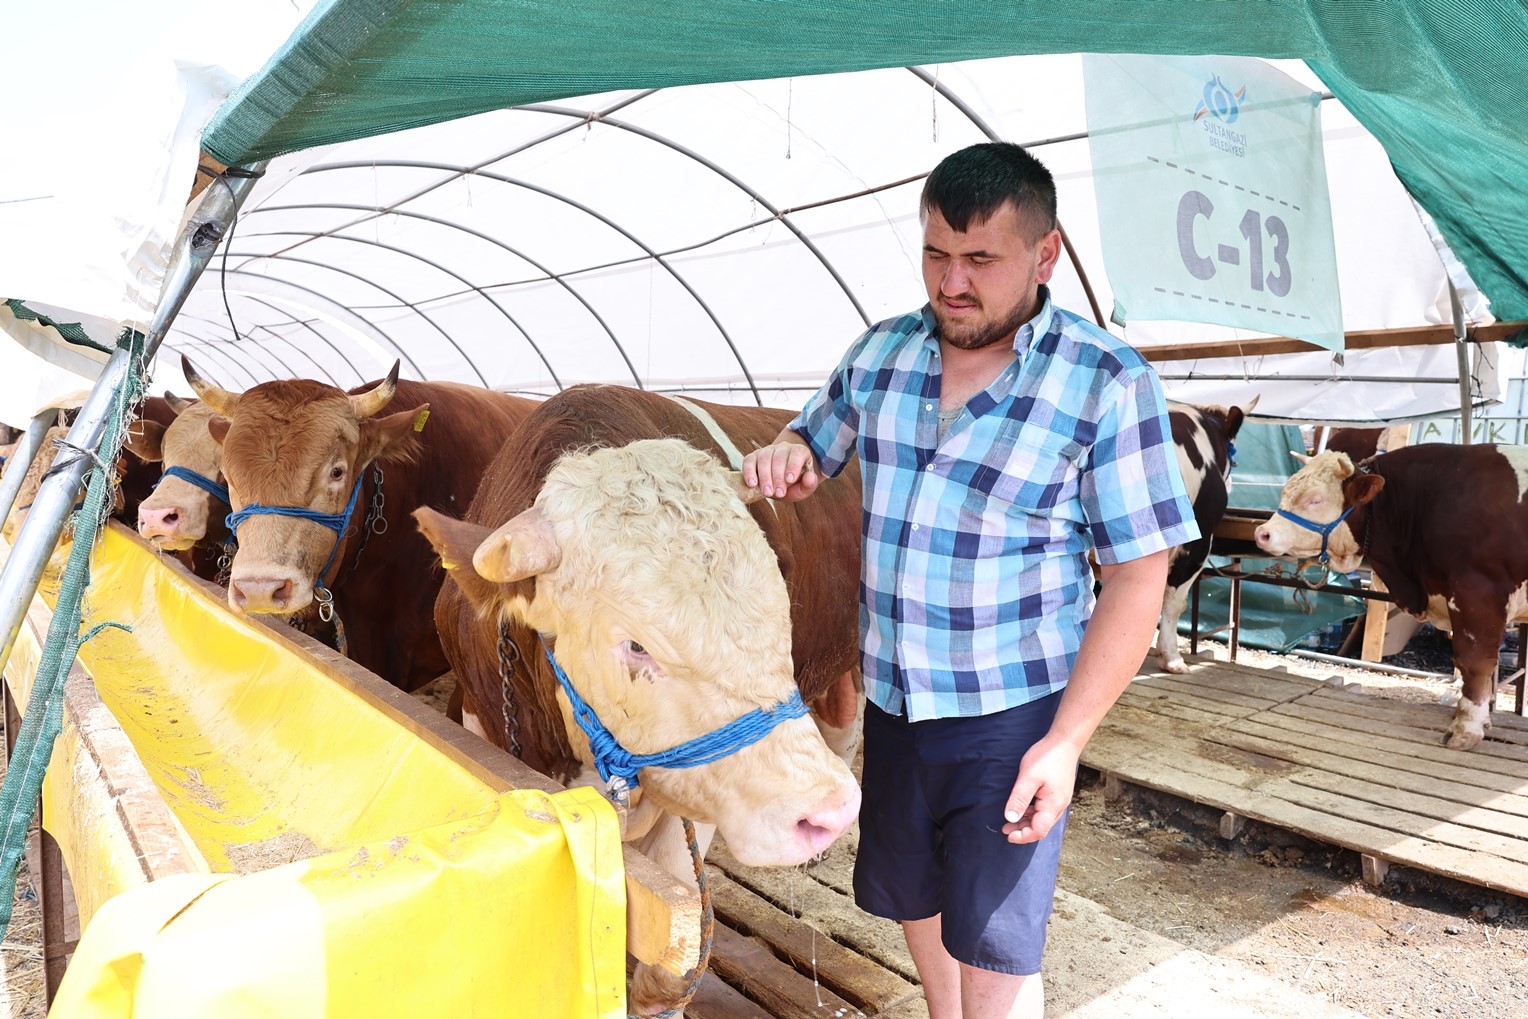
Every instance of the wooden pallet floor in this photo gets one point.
(1334, 765)
(798, 948)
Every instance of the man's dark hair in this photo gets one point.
(972, 184)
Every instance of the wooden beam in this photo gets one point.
(1359, 339)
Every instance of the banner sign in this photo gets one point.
(1212, 198)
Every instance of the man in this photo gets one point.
(1000, 438)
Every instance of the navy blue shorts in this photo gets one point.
(931, 833)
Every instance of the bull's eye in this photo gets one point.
(336, 472)
(635, 648)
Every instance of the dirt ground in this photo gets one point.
(1296, 909)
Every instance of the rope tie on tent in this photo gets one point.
(43, 719)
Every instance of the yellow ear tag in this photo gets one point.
(420, 419)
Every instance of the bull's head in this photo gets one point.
(667, 611)
(1313, 508)
(297, 445)
(182, 512)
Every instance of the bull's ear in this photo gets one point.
(145, 440)
(744, 492)
(218, 426)
(1301, 457)
(394, 437)
(526, 546)
(1363, 488)
(454, 541)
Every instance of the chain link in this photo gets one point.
(509, 654)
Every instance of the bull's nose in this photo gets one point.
(159, 522)
(829, 819)
(1262, 536)
(261, 594)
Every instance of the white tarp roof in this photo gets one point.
(633, 237)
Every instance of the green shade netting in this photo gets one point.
(1439, 83)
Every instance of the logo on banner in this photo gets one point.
(1223, 107)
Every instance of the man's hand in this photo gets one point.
(1047, 777)
(783, 470)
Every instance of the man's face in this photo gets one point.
(982, 282)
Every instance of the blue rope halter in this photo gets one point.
(1325, 530)
(201, 481)
(618, 766)
(336, 522)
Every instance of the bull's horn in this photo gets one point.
(749, 494)
(220, 400)
(374, 399)
(178, 404)
(524, 547)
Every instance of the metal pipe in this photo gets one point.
(1357, 663)
(205, 229)
(21, 459)
(1461, 350)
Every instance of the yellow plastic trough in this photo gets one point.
(254, 826)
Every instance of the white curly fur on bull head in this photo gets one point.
(671, 618)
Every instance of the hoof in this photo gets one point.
(1456, 740)
(1176, 665)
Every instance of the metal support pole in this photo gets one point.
(21, 459)
(1462, 350)
(204, 230)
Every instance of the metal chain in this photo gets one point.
(509, 654)
(374, 523)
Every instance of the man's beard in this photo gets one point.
(988, 335)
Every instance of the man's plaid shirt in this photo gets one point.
(976, 585)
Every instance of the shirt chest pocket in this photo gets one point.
(1029, 470)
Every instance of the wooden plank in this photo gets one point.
(1382, 773)
(1376, 621)
(1435, 716)
(1390, 753)
(1229, 698)
(1512, 826)
(1226, 787)
(775, 986)
(716, 1000)
(1169, 705)
(1502, 760)
(1271, 686)
(865, 983)
(1426, 737)
(1356, 339)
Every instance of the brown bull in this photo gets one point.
(306, 446)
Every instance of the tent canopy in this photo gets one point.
(626, 223)
(1433, 82)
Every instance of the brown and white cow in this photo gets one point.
(1203, 437)
(1444, 527)
(671, 613)
(304, 445)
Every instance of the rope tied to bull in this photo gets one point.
(1325, 530)
(509, 654)
(619, 766)
(336, 522)
(707, 928)
(201, 481)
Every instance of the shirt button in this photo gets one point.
(915, 527)
(928, 406)
(929, 467)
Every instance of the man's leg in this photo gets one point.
(954, 990)
(937, 970)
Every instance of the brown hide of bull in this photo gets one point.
(385, 596)
(817, 542)
(1448, 522)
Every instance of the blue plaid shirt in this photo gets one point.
(976, 585)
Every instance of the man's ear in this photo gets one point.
(1050, 254)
